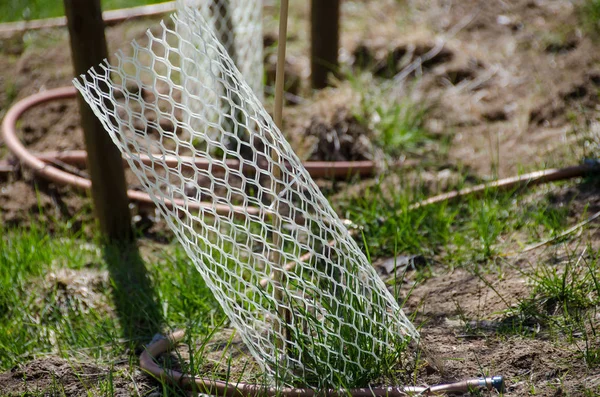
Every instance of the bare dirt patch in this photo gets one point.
(467, 333)
(76, 290)
(56, 376)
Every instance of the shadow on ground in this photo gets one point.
(134, 295)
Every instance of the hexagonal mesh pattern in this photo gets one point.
(303, 296)
(238, 26)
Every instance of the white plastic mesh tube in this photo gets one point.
(328, 319)
(238, 26)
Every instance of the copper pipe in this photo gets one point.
(57, 176)
(148, 363)
(525, 180)
(39, 163)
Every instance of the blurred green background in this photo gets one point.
(16, 10)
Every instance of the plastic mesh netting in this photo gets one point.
(293, 282)
(238, 26)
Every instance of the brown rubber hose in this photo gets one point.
(39, 164)
(514, 182)
(219, 388)
(317, 169)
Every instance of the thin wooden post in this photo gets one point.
(109, 189)
(325, 37)
(280, 73)
(279, 275)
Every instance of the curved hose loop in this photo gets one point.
(148, 363)
(40, 164)
(60, 177)
(41, 167)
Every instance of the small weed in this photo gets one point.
(551, 219)
(525, 318)
(570, 289)
(591, 350)
(562, 298)
(400, 127)
(489, 219)
(398, 123)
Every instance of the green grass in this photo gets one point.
(40, 314)
(103, 308)
(400, 127)
(589, 13)
(397, 121)
(63, 296)
(456, 233)
(468, 229)
(17, 10)
(477, 234)
(564, 295)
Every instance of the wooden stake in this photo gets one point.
(325, 37)
(279, 276)
(280, 76)
(105, 165)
